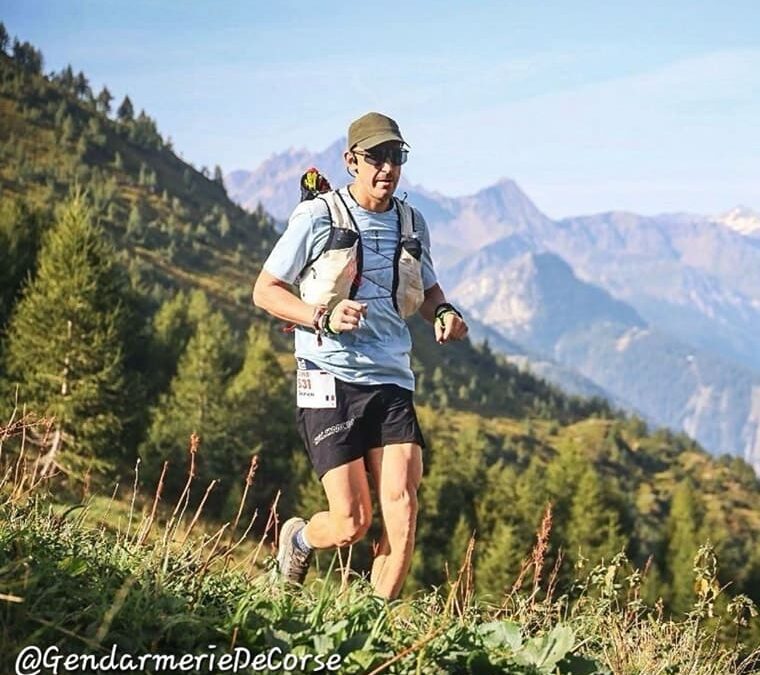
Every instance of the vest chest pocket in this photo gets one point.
(409, 294)
(330, 277)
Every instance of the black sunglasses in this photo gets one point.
(378, 156)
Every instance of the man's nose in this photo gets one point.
(387, 166)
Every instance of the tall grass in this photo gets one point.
(161, 581)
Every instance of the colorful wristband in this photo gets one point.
(317, 322)
(326, 328)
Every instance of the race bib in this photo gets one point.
(315, 389)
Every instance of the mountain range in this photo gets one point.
(658, 313)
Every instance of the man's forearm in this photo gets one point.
(280, 302)
(433, 297)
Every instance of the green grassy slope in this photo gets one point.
(68, 588)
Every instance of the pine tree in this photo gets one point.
(27, 57)
(499, 564)
(4, 38)
(260, 400)
(104, 100)
(652, 588)
(682, 547)
(60, 113)
(151, 180)
(66, 340)
(81, 146)
(135, 222)
(496, 500)
(531, 498)
(455, 477)
(172, 330)
(93, 130)
(68, 130)
(82, 86)
(459, 540)
(126, 111)
(224, 225)
(563, 475)
(66, 78)
(593, 529)
(19, 232)
(196, 403)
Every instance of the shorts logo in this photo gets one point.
(334, 429)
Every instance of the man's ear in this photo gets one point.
(351, 163)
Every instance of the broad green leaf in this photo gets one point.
(356, 642)
(497, 634)
(365, 659)
(546, 651)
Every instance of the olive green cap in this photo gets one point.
(371, 130)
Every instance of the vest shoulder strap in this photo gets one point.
(339, 214)
(406, 218)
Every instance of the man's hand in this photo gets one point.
(346, 316)
(450, 326)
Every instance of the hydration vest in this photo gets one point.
(335, 274)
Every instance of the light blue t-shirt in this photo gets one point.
(377, 352)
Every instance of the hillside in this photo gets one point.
(501, 443)
(173, 224)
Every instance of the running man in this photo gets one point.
(361, 258)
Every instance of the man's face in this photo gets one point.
(378, 169)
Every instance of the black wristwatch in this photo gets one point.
(324, 324)
(443, 309)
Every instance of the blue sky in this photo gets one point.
(589, 106)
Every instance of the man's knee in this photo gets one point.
(350, 528)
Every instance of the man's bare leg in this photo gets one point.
(350, 507)
(396, 472)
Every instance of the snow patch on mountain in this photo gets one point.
(742, 220)
(699, 404)
(627, 338)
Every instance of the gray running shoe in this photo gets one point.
(292, 562)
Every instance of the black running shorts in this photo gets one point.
(364, 417)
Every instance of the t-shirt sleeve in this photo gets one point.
(302, 237)
(429, 277)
